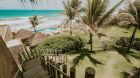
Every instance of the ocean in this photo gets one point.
(26, 13)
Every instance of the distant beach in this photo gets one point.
(18, 19)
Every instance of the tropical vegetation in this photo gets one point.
(62, 44)
(95, 15)
(131, 14)
(124, 54)
(124, 42)
(71, 8)
(34, 20)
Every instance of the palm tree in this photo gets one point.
(32, 2)
(72, 7)
(95, 14)
(131, 14)
(34, 21)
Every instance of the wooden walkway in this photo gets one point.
(34, 69)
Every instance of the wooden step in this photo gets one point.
(31, 64)
(36, 72)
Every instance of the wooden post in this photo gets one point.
(25, 56)
(32, 53)
(51, 69)
(64, 70)
(28, 55)
(48, 66)
(43, 62)
(58, 73)
(54, 71)
(89, 72)
(36, 52)
(20, 58)
(138, 72)
(72, 72)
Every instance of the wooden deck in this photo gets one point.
(34, 69)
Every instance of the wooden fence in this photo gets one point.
(55, 70)
(28, 55)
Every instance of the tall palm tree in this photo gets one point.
(72, 7)
(34, 22)
(131, 14)
(95, 14)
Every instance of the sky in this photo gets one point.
(43, 5)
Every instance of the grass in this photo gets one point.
(109, 64)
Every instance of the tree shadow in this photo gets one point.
(123, 51)
(101, 35)
(85, 53)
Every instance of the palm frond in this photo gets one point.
(34, 21)
(75, 4)
(126, 17)
(108, 14)
(100, 9)
(85, 20)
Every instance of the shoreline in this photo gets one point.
(18, 23)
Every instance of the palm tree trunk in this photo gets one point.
(71, 27)
(132, 38)
(91, 45)
(35, 29)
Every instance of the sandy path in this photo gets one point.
(108, 69)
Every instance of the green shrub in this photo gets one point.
(62, 44)
(124, 42)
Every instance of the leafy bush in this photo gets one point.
(62, 44)
(124, 42)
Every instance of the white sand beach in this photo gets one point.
(23, 23)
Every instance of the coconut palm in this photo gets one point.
(95, 14)
(131, 14)
(72, 7)
(34, 22)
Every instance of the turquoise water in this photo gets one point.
(48, 29)
(25, 13)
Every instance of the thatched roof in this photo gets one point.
(24, 34)
(3, 29)
(36, 38)
(5, 32)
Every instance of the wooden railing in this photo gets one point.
(19, 72)
(28, 55)
(58, 58)
(55, 71)
(50, 63)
